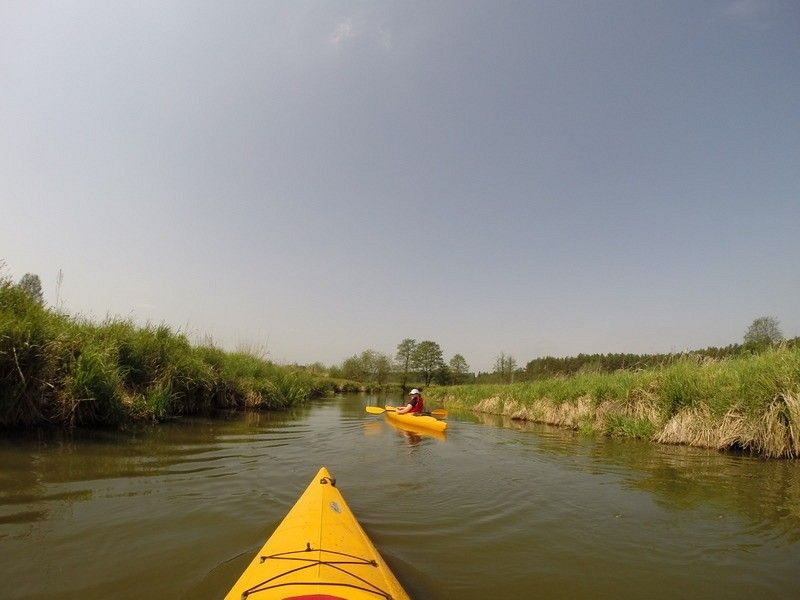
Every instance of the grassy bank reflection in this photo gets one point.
(766, 493)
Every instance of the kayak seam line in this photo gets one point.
(285, 556)
(379, 592)
(376, 590)
(318, 562)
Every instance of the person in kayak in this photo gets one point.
(415, 403)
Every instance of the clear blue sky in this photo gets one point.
(320, 178)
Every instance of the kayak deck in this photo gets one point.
(417, 421)
(319, 551)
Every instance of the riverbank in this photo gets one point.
(749, 403)
(59, 369)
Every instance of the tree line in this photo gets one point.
(422, 363)
(763, 332)
(417, 362)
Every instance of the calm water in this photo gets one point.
(493, 510)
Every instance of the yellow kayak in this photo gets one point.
(405, 428)
(318, 552)
(421, 421)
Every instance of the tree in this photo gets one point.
(458, 368)
(504, 366)
(426, 359)
(352, 369)
(443, 375)
(31, 283)
(369, 366)
(763, 331)
(380, 367)
(367, 359)
(317, 368)
(405, 357)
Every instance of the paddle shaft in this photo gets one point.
(377, 410)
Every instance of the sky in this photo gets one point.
(317, 178)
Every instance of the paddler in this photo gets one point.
(415, 403)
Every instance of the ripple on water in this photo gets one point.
(494, 509)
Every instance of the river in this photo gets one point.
(496, 509)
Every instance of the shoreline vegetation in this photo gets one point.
(64, 370)
(750, 402)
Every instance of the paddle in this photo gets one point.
(439, 413)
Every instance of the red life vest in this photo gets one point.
(418, 407)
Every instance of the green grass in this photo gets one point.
(750, 402)
(61, 369)
(617, 425)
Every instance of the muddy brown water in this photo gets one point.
(495, 509)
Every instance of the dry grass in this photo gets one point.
(749, 403)
(776, 434)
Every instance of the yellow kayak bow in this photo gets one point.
(318, 552)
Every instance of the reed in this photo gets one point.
(750, 402)
(61, 369)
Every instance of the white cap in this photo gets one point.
(414, 391)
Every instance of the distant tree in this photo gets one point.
(443, 375)
(381, 368)
(369, 366)
(458, 368)
(426, 359)
(504, 367)
(763, 331)
(367, 359)
(31, 283)
(499, 363)
(405, 357)
(352, 369)
(317, 368)
(511, 363)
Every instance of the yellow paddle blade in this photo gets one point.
(375, 410)
(439, 413)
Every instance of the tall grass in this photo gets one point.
(749, 402)
(61, 369)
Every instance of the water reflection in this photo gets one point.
(53, 468)
(414, 435)
(492, 508)
(681, 478)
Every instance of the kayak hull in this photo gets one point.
(319, 550)
(412, 431)
(417, 422)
